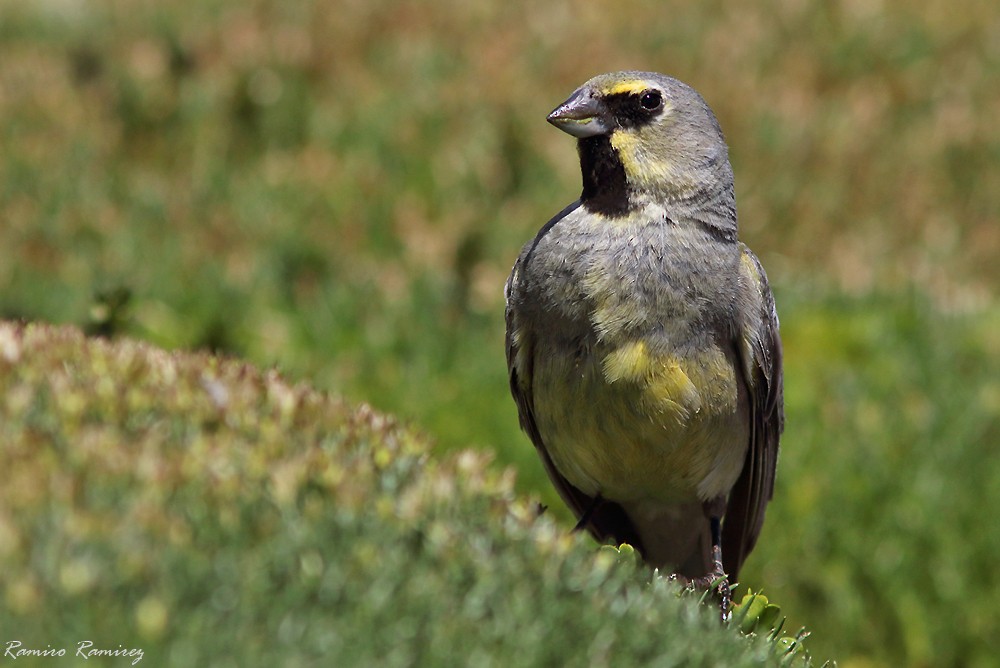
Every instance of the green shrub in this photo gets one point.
(210, 514)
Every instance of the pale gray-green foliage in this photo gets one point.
(214, 515)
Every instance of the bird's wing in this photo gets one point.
(760, 353)
(605, 520)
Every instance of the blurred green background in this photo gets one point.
(339, 189)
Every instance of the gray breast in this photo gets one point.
(607, 277)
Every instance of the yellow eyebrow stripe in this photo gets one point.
(629, 86)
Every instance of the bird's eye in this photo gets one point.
(651, 100)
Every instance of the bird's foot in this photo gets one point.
(715, 581)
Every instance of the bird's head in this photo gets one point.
(644, 136)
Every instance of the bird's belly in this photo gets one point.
(633, 425)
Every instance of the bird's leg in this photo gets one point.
(718, 574)
(716, 579)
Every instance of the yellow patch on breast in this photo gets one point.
(649, 424)
(629, 362)
(670, 390)
(665, 386)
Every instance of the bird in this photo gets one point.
(642, 340)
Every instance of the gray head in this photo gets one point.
(645, 136)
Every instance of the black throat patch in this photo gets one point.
(605, 188)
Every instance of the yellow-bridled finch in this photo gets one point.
(642, 338)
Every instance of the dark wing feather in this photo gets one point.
(761, 357)
(607, 521)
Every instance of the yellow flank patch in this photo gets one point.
(670, 389)
(629, 362)
(628, 86)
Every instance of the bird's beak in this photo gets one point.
(582, 115)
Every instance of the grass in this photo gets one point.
(339, 191)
